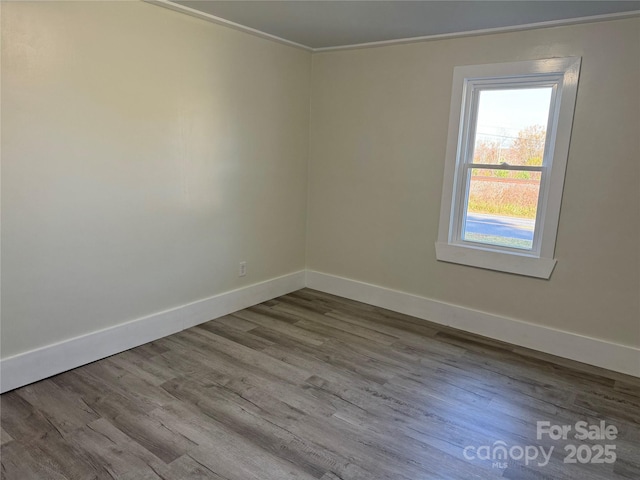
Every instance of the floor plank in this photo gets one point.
(313, 386)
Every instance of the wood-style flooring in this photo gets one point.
(313, 386)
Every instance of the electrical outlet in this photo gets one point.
(242, 271)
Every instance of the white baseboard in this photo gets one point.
(44, 362)
(593, 351)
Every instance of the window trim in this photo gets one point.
(538, 262)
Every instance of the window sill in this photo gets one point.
(520, 264)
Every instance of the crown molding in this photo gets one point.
(486, 31)
(399, 41)
(227, 23)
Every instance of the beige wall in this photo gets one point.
(378, 133)
(144, 154)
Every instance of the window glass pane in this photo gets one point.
(501, 208)
(511, 126)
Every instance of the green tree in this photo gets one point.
(528, 148)
(487, 152)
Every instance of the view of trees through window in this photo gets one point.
(526, 148)
(510, 132)
(508, 192)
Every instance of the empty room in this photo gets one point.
(330, 240)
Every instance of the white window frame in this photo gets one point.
(562, 75)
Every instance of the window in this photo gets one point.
(509, 131)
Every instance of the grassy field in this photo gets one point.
(510, 197)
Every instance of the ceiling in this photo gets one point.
(325, 24)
